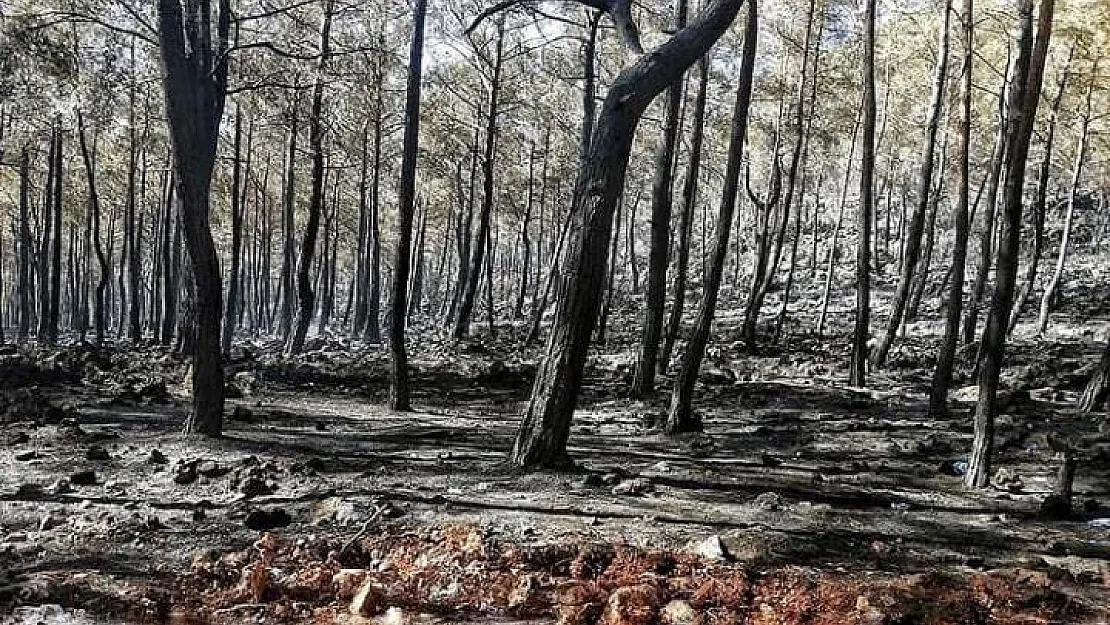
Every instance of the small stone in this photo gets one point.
(97, 454)
(263, 520)
(50, 521)
(156, 457)
(255, 487)
(212, 469)
(243, 414)
(392, 616)
(83, 478)
(61, 487)
(712, 548)
(636, 486)
(186, 473)
(348, 582)
(368, 601)
(768, 501)
(17, 438)
(25, 456)
(768, 460)
(661, 467)
(678, 612)
(16, 537)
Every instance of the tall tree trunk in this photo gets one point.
(541, 440)
(858, 365)
(44, 245)
(288, 228)
(662, 199)
(399, 379)
(25, 243)
(1040, 201)
(833, 255)
(681, 417)
(94, 207)
(1024, 97)
(986, 238)
(946, 356)
(1051, 290)
(195, 83)
(689, 200)
(232, 307)
(373, 310)
(171, 243)
(485, 215)
(525, 238)
(133, 236)
(56, 247)
(924, 186)
(306, 296)
(769, 253)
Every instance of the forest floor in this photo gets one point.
(804, 501)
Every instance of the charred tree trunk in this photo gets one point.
(195, 81)
(288, 228)
(306, 296)
(1024, 97)
(924, 186)
(942, 375)
(541, 440)
(681, 417)
(25, 243)
(87, 157)
(485, 215)
(232, 306)
(1053, 286)
(662, 199)
(689, 199)
(399, 379)
(858, 368)
(1040, 202)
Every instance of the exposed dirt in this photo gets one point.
(804, 502)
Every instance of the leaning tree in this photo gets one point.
(542, 438)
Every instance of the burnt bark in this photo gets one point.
(541, 440)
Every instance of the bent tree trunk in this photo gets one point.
(924, 185)
(542, 438)
(1024, 98)
(195, 79)
(681, 417)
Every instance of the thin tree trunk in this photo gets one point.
(306, 296)
(288, 228)
(1051, 290)
(833, 254)
(94, 206)
(662, 200)
(542, 438)
(858, 365)
(485, 215)
(946, 356)
(1040, 203)
(1023, 100)
(924, 186)
(399, 378)
(25, 243)
(681, 417)
(689, 200)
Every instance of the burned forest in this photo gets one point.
(554, 312)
